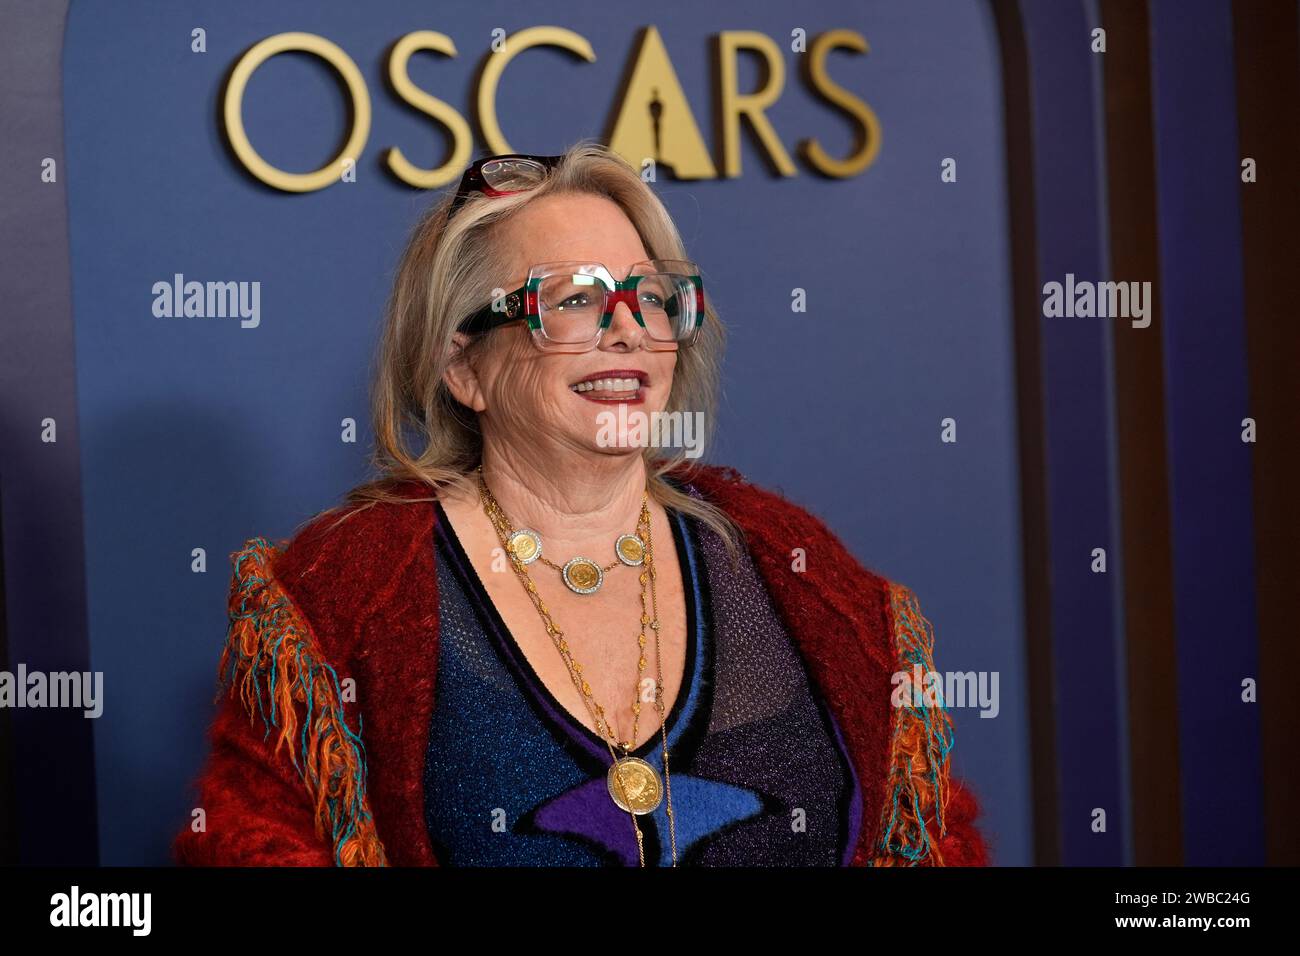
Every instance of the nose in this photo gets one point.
(623, 333)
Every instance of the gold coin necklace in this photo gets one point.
(633, 783)
(580, 575)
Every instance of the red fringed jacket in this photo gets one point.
(303, 774)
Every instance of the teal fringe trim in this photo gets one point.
(272, 620)
(907, 834)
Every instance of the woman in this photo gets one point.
(533, 640)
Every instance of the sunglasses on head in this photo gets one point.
(501, 176)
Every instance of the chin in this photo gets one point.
(611, 423)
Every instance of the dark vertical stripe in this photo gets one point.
(1197, 164)
(1077, 382)
(1026, 311)
(8, 782)
(53, 755)
(1140, 424)
(1268, 102)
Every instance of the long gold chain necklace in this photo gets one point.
(632, 782)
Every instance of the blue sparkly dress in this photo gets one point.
(759, 772)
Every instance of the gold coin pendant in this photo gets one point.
(583, 576)
(640, 785)
(525, 545)
(630, 549)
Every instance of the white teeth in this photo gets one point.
(608, 385)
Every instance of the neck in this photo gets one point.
(575, 509)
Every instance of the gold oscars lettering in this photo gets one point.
(652, 120)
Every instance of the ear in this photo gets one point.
(460, 377)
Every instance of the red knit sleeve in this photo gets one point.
(285, 783)
(257, 809)
(962, 843)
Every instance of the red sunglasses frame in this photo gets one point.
(473, 181)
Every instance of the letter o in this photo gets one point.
(233, 110)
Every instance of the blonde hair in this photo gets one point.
(447, 272)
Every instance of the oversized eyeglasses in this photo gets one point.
(502, 175)
(568, 305)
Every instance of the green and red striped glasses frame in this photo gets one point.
(569, 305)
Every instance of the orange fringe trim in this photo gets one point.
(274, 662)
(917, 793)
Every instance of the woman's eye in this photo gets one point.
(652, 299)
(578, 300)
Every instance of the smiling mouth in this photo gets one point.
(618, 385)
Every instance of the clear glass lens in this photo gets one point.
(510, 174)
(666, 295)
(570, 305)
(571, 300)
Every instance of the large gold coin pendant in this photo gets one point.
(583, 575)
(640, 783)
